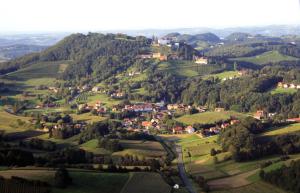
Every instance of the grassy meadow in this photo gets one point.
(146, 183)
(283, 91)
(208, 117)
(267, 57)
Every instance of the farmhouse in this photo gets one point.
(172, 107)
(96, 89)
(201, 60)
(177, 130)
(147, 124)
(189, 129)
(293, 86)
(260, 114)
(294, 120)
(144, 56)
(117, 95)
(160, 56)
(139, 108)
(219, 110)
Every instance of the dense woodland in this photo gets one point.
(284, 177)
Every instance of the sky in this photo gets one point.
(96, 15)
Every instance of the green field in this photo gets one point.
(187, 68)
(208, 117)
(40, 70)
(226, 74)
(141, 149)
(146, 183)
(283, 130)
(92, 146)
(283, 91)
(258, 187)
(88, 117)
(8, 122)
(103, 98)
(83, 182)
(267, 57)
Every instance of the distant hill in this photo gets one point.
(95, 53)
(200, 41)
(15, 51)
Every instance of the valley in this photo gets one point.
(134, 114)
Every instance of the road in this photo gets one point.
(182, 171)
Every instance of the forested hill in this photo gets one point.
(88, 53)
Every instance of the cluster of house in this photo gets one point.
(261, 114)
(201, 60)
(144, 107)
(206, 131)
(98, 107)
(287, 85)
(185, 108)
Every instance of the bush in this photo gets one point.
(62, 178)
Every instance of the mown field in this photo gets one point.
(83, 182)
(267, 57)
(283, 91)
(258, 187)
(95, 182)
(283, 130)
(141, 149)
(88, 117)
(9, 123)
(92, 146)
(226, 74)
(146, 183)
(208, 117)
(40, 70)
(187, 68)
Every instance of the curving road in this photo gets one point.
(182, 171)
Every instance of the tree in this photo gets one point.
(213, 152)
(62, 178)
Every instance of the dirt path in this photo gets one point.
(231, 182)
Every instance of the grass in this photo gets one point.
(267, 57)
(103, 98)
(141, 149)
(258, 187)
(88, 117)
(146, 183)
(226, 74)
(83, 182)
(283, 91)
(8, 122)
(187, 68)
(40, 70)
(208, 117)
(283, 130)
(92, 146)
(95, 182)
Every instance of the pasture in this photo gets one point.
(283, 130)
(92, 146)
(141, 149)
(12, 123)
(88, 117)
(83, 181)
(283, 91)
(208, 117)
(226, 74)
(39, 70)
(146, 183)
(188, 68)
(267, 57)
